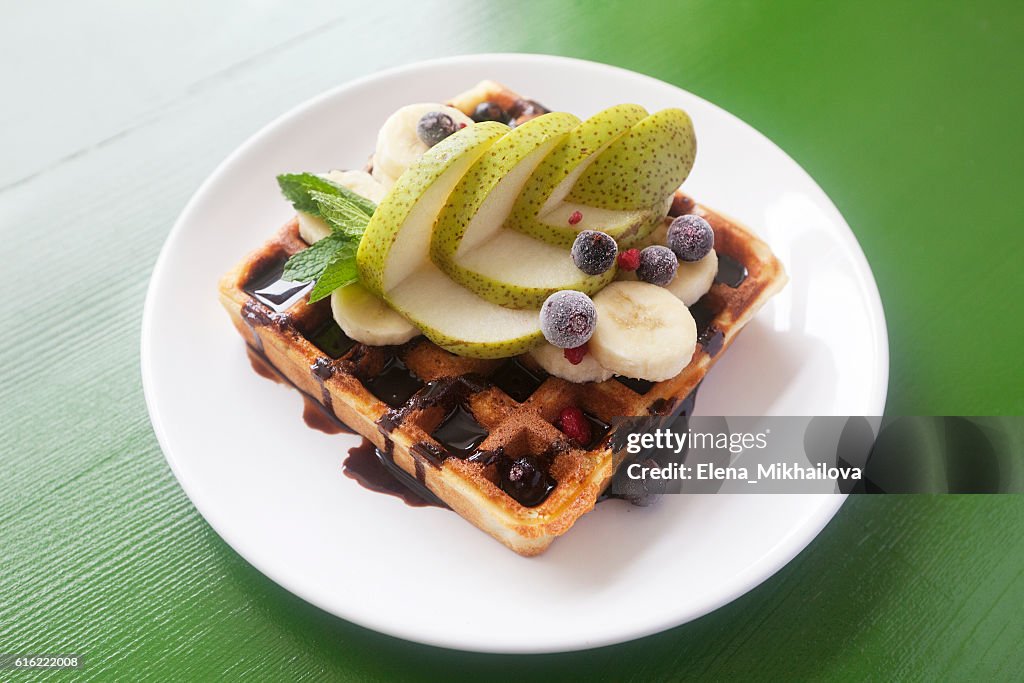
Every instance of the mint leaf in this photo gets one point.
(340, 271)
(297, 187)
(332, 260)
(341, 214)
(308, 264)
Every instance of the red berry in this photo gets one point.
(574, 424)
(629, 259)
(575, 356)
(461, 126)
(575, 217)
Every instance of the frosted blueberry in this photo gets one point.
(567, 319)
(594, 252)
(658, 265)
(690, 238)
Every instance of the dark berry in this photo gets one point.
(690, 238)
(629, 260)
(567, 319)
(435, 126)
(573, 424)
(593, 251)
(488, 111)
(681, 204)
(575, 217)
(524, 480)
(657, 265)
(575, 356)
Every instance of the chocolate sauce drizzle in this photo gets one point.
(274, 291)
(376, 471)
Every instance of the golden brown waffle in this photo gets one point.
(403, 398)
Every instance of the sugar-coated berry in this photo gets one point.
(594, 252)
(629, 260)
(658, 265)
(488, 111)
(573, 424)
(575, 356)
(568, 318)
(690, 238)
(435, 126)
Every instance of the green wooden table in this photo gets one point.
(909, 116)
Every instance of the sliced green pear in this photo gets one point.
(541, 210)
(473, 247)
(641, 168)
(397, 240)
(459, 321)
(393, 257)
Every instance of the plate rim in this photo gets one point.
(784, 551)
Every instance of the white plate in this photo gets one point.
(274, 489)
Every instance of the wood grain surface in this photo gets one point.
(907, 114)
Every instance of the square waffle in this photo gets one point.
(459, 424)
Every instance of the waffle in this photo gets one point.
(458, 424)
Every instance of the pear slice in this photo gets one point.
(393, 257)
(397, 239)
(459, 321)
(639, 169)
(473, 247)
(541, 210)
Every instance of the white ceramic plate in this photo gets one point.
(274, 489)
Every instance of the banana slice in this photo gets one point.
(360, 182)
(312, 228)
(552, 359)
(693, 280)
(398, 144)
(642, 331)
(365, 317)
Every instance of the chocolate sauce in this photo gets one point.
(395, 384)
(314, 414)
(516, 380)
(262, 367)
(330, 339)
(709, 337)
(527, 479)
(272, 290)
(315, 417)
(731, 272)
(446, 392)
(459, 432)
(640, 386)
(633, 492)
(598, 430)
(376, 471)
(322, 370)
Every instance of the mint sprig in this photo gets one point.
(297, 188)
(331, 262)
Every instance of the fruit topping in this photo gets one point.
(575, 356)
(489, 111)
(629, 260)
(681, 204)
(435, 126)
(690, 238)
(567, 319)
(524, 480)
(554, 360)
(594, 252)
(658, 265)
(574, 424)
(575, 217)
(643, 331)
